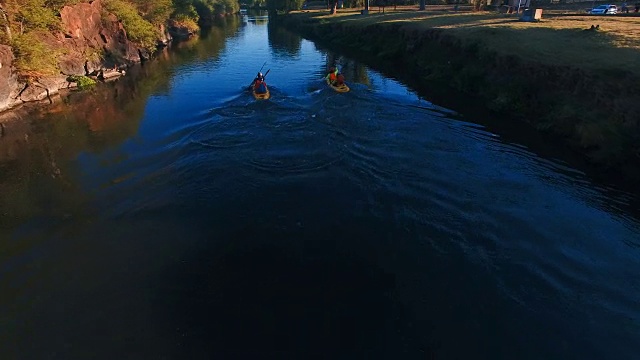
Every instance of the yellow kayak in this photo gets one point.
(339, 88)
(261, 96)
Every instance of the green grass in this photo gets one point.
(556, 40)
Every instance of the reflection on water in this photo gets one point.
(283, 42)
(169, 214)
(38, 146)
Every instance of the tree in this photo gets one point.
(479, 4)
(5, 23)
(25, 15)
(156, 12)
(334, 7)
(284, 5)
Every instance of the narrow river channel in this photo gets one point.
(169, 215)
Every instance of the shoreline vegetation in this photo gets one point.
(559, 74)
(50, 45)
(25, 24)
(571, 74)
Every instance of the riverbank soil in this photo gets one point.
(559, 74)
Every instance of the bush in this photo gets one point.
(185, 14)
(156, 11)
(57, 5)
(34, 15)
(81, 81)
(284, 5)
(209, 8)
(34, 58)
(138, 29)
(183, 21)
(231, 6)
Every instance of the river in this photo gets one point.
(170, 215)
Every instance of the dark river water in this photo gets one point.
(169, 215)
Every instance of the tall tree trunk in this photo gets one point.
(334, 8)
(7, 26)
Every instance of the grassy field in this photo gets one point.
(579, 84)
(559, 39)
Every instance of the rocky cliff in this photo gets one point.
(93, 43)
(8, 83)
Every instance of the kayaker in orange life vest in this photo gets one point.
(259, 85)
(334, 77)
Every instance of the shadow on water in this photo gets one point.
(285, 43)
(196, 222)
(301, 299)
(39, 144)
(519, 133)
(209, 44)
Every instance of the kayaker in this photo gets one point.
(259, 85)
(334, 77)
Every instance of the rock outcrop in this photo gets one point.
(94, 43)
(9, 87)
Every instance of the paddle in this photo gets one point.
(259, 71)
(263, 77)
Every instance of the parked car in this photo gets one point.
(604, 9)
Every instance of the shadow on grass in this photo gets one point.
(578, 48)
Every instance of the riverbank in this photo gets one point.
(85, 42)
(581, 85)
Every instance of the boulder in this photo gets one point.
(177, 31)
(93, 43)
(165, 37)
(89, 36)
(82, 21)
(9, 86)
(43, 88)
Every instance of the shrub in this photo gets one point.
(285, 5)
(81, 81)
(138, 29)
(208, 8)
(186, 22)
(185, 14)
(34, 15)
(34, 58)
(156, 11)
(56, 5)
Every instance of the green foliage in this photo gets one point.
(56, 5)
(185, 14)
(231, 6)
(284, 5)
(33, 57)
(156, 12)
(4, 37)
(23, 23)
(138, 29)
(34, 15)
(358, 3)
(209, 8)
(255, 3)
(81, 81)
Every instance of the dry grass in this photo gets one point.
(557, 39)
